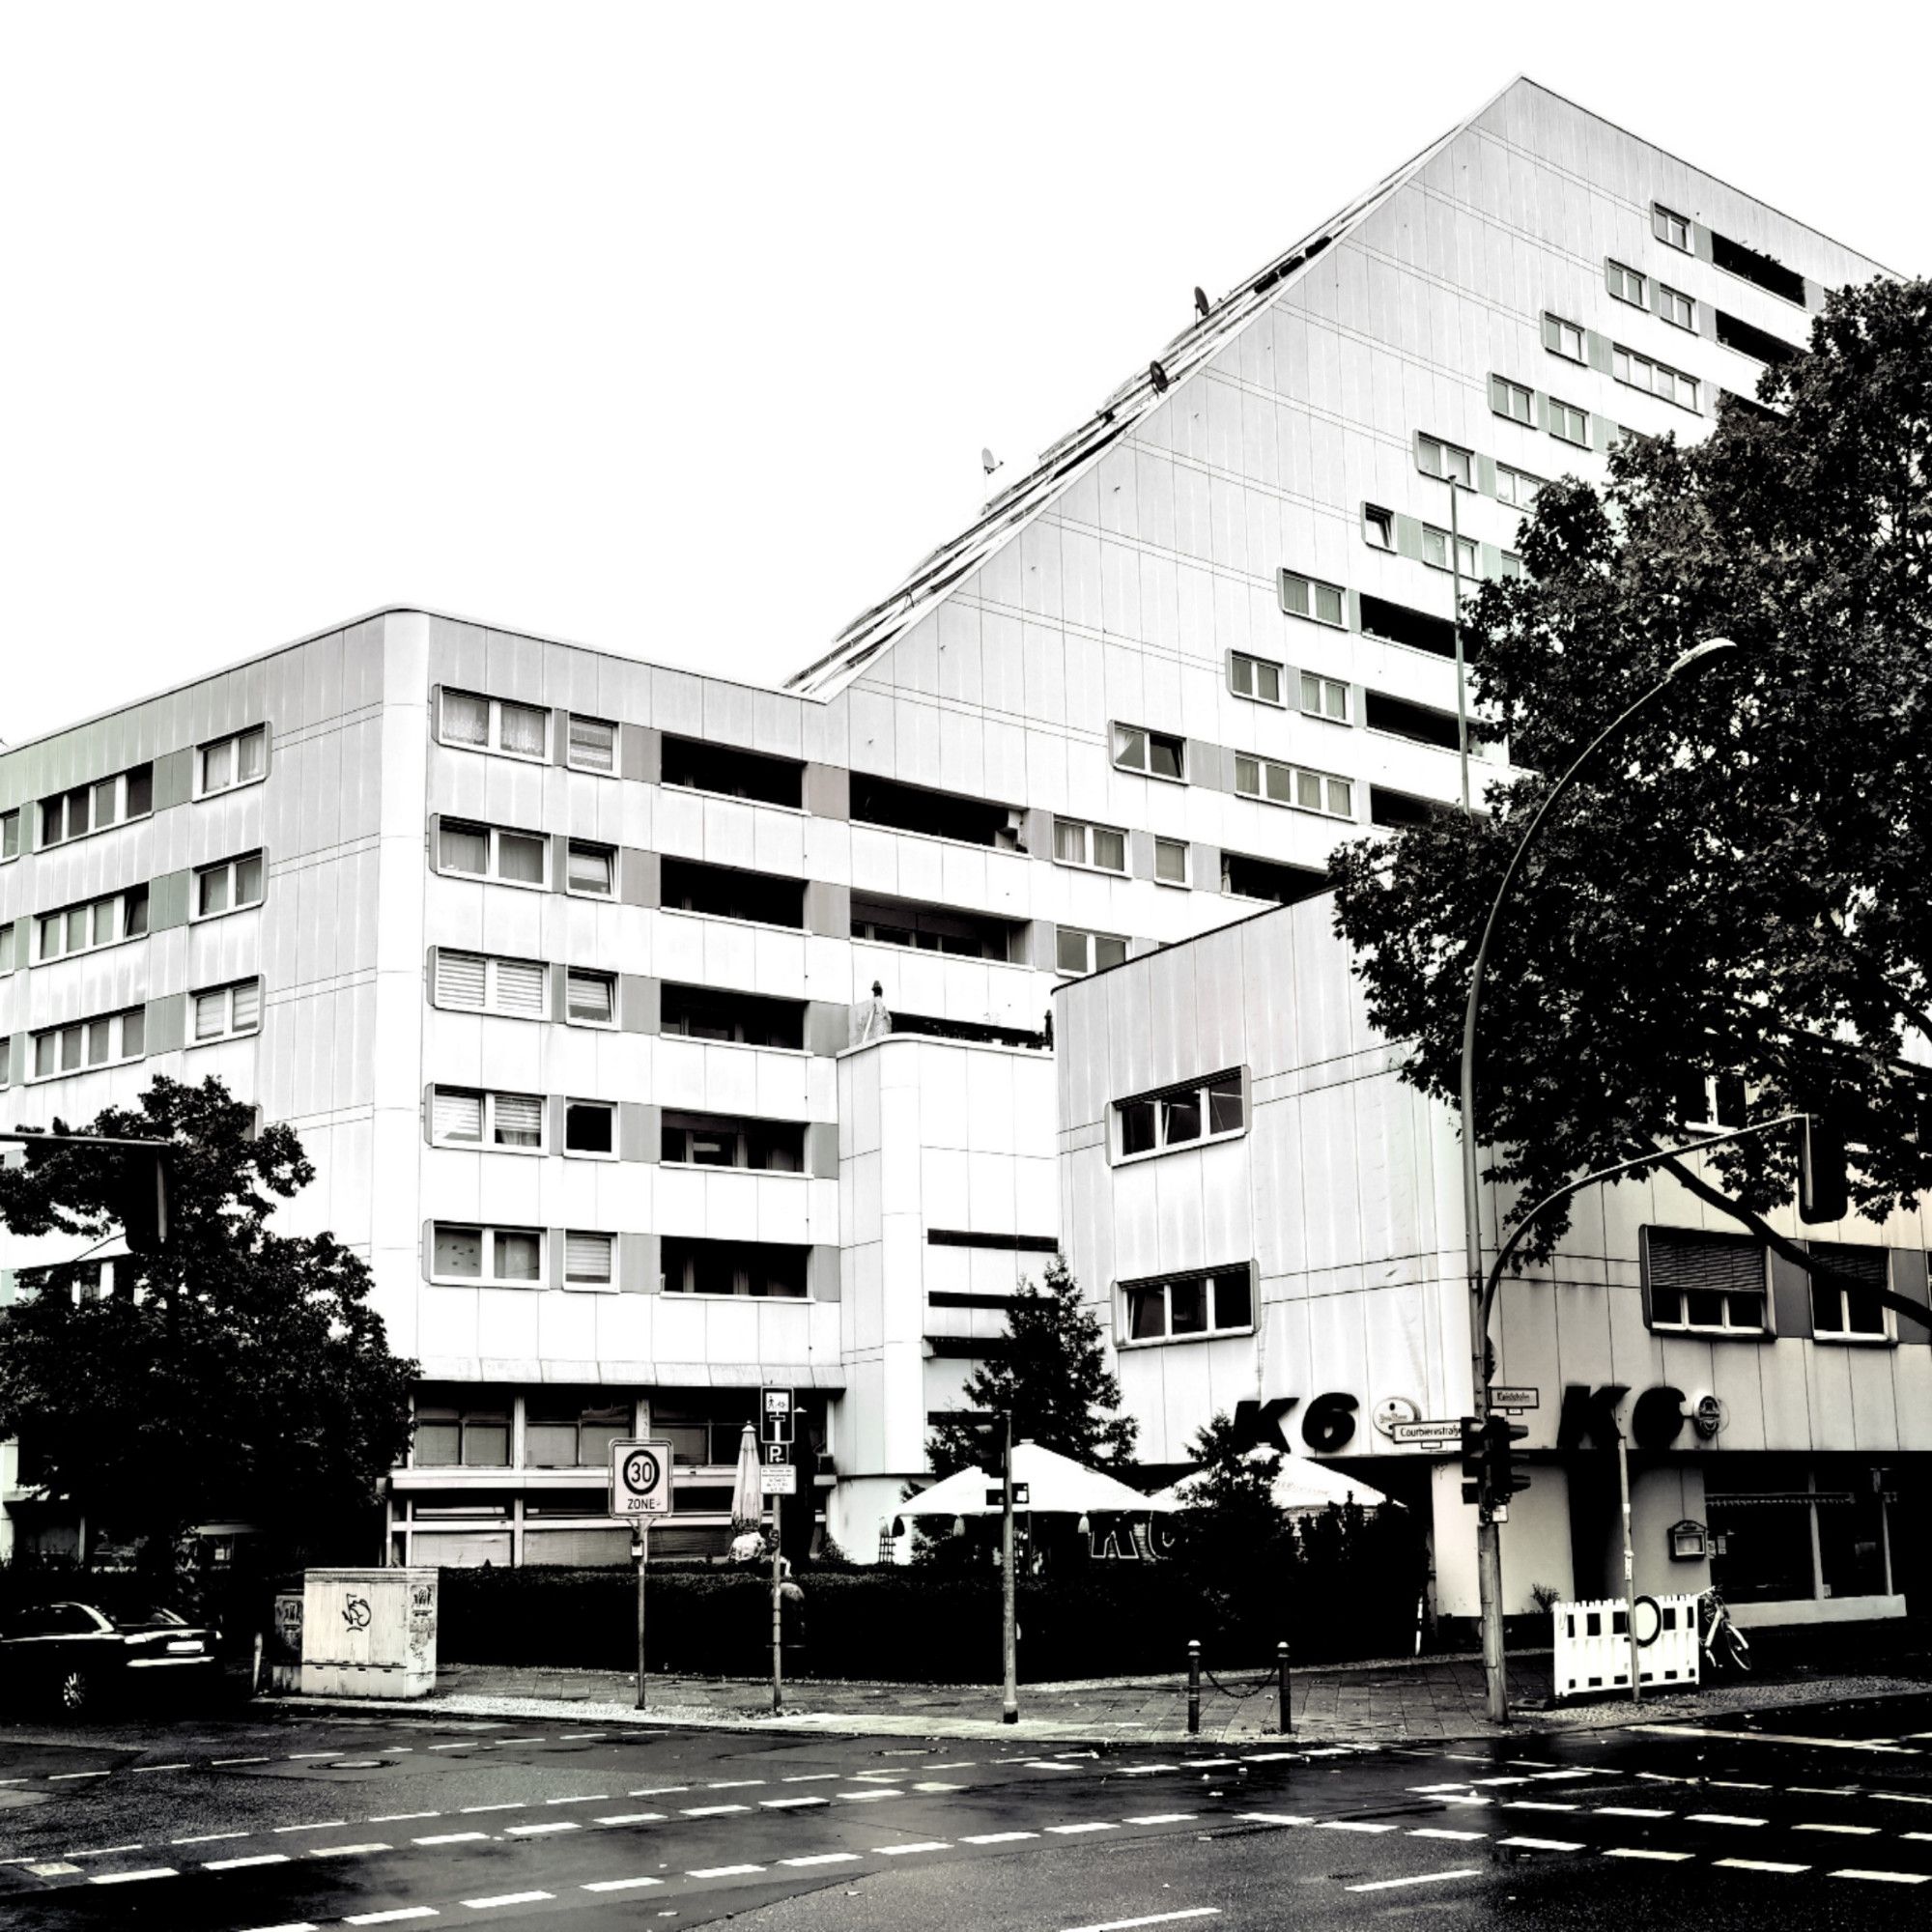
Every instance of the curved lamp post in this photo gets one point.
(1489, 1541)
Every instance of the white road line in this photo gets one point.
(321, 1825)
(746, 1783)
(1421, 1878)
(792, 1803)
(1922, 1836)
(1047, 1764)
(131, 1878)
(1438, 1832)
(1154, 1919)
(238, 1760)
(1539, 1844)
(1737, 1784)
(868, 1796)
(929, 1785)
(667, 1790)
(300, 1925)
(402, 1817)
(824, 1858)
(208, 1839)
(1196, 1764)
(1643, 1852)
(1848, 1830)
(1723, 1818)
(69, 1777)
(1164, 1818)
(241, 1864)
(805, 1778)
(1145, 1770)
(1270, 1757)
(468, 1744)
(710, 1810)
(620, 1883)
(539, 1830)
(1073, 1830)
(394, 1917)
(958, 1764)
(1271, 1818)
(1779, 1738)
(452, 1838)
(994, 1838)
(1630, 1811)
(515, 1804)
(302, 1757)
(631, 1818)
(1757, 1865)
(348, 1851)
(1536, 1804)
(723, 1871)
(566, 1738)
(116, 1851)
(508, 1898)
(1353, 1824)
(1849, 1871)
(520, 1740)
(182, 1766)
(925, 1845)
(587, 1798)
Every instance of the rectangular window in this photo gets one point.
(473, 982)
(89, 808)
(1511, 564)
(488, 851)
(1711, 1283)
(593, 744)
(1436, 551)
(1378, 527)
(495, 724)
(1512, 400)
(1838, 1312)
(1324, 698)
(1309, 597)
(591, 998)
(470, 1433)
(460, 1117)
(1170, 861)
(1259, 678)
(1078, 951)
(1436, 457)
(229, 887)
(510, 1257)
(1202, 1110)
(589, 1261)
(1563, 338)
(1570, 424)
(589, 1127)
(1626, 284)
(1098, 847)
(1671, 229)
(1676, 307)
(1517, 487)
(99, 922)
(1659, 380)
(10, 834)
(223, 1011)
(236, 759)
(594, 868)
(1210, 1302)
(764, 1269)
(1155, 753)
(1276, 783)
(99, 1042)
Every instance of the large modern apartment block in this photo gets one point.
(562, 962)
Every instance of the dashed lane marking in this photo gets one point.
(69, 1777)
(1887, 1745)
(631, 1818)
(824, 1858)
(1152, 1919)
(958, 1763)
(1073, 1830)
(242, 1864)
(1723, 1818)
(1848, 1830)
(746, 1783)
(138, 1768)
(508, 1898)
(712, 1810)
(1145, 1770)
(1421, 1878)
(451, 1838)
(792, 1803)
(133, 1877)
(1271, 1818)
(1164, 1818)
(1439, 1831)
(868, 1796)
(1630, 1811)
(395, 1916)
(813, 1778)
(900, 1850)
(586, 1798)
(1354, 1825)
(724, 1871)
(1758, 1865)
(998, 1838)
(116, 1851)
(541, 1830)
(319, 1825)
(1539, 1844)
(1645, 1852)
(930, 1786)
(1536, 1804)
(348, 1851)
(516, 1805)
(620, 1883)
(238, 1760)
(1882, 1877)
(402, 1817)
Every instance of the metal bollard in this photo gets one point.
(1285, 1720)
(1193, 1687)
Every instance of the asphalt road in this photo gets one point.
(1820, 1818)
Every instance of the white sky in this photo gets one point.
(677, 329)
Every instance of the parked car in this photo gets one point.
(74, 1656)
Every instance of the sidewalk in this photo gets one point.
(1397, 1701)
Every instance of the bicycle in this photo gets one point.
(1726, 1650)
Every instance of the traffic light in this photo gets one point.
(1823, 1192)
(1474, 1468)
(1503, 1472)
(135, 1183)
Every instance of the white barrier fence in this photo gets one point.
(1593, 1651)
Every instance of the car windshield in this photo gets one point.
(152, 1618)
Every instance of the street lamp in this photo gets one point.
(1488, 1539)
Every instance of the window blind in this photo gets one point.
(519, 1120)
(520, 988)
(590, 996)
(587, 1257)
(457, 1115)
(247, 1004)
(459, 979)
(1714, 1264)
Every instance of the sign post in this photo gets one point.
(639, 1490)
(776, 1427)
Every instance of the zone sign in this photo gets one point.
(640, 1479)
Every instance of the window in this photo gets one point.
(704, 1140)
(88, 807)
(488, 852)
(1308, 597)
(1436, 551)
(1511, 564)
(1436, 457)
(1275, 783)
(760, 1268)
(589, 1261)
(564, 1430)
(5, 955)
(1188, 1304)
(590, 1127)
(464, 1430)
(473, 982)
(512, 1257)
(738, 1019)
(1170, 861)
(9, 833)
(1570, 424)
(1672, 230)
(1734, 332)
(228, 887)
(1324, 698)
(1154, 753)
(591, 998)
(99, 922)
(592, 868)
(1203, 1110)
(1838, 1316)
(1641, 372)
(493, 724)
(1378, 527)
(1517, 487)
(1098, 847)
(592, 744)
(1512, 400)
(1259, 678)
(1626, 284)
(1767, 271)
(1563, 338)
(464, 1117)
(1712, 1282)
(1676, 307)
(223, 1011)
(1077, 951)
(97, 1043)
(235, 760)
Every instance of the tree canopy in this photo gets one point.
(1736, 887)
(232, 1372)
(1052, 1374)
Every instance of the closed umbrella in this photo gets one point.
(747, 1505)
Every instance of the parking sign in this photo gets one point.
(640, 1479)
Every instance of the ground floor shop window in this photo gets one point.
(1792, 1528)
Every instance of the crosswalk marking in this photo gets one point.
(1442, 1832)
(1630, 1811)
(1645, 1852)
(1884, 1877)
(1539, 1844)
(1758, 1864)
(1723, 1818)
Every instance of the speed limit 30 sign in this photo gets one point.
(640, 1479)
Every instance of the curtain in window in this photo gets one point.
(248, 1005)
(519, 1120)
(519, 858)
(211, 1014)
(593, 744)
(464, 848)
(466, 719)
(523, 729)
(590, 996)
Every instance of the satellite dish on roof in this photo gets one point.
(1201, 303)
(1157, 376)
(988, 462)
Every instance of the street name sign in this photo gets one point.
(1514, 1397)
(640, 1479)
(1443, 1435)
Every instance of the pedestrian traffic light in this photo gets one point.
(1473, 1462)
(1504, 1473)
(1823, 1190)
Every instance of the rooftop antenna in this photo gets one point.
(1201, 303)
(1157, 376)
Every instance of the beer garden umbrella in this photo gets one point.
(747, 1505)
